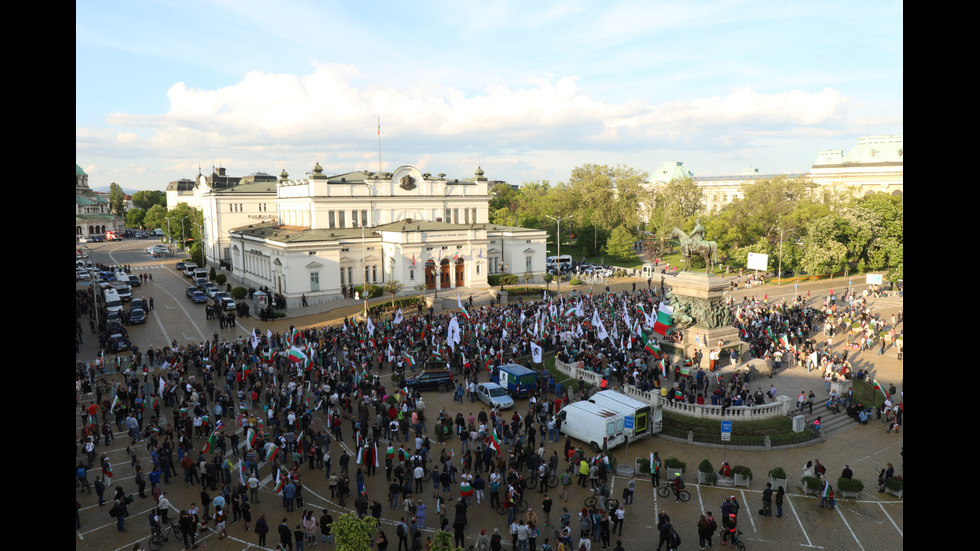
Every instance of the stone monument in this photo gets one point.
(700, 312)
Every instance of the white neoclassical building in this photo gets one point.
(875, 165)
(311, 236)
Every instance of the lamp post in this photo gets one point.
(558, 239)
(364, 265)
(779, 276)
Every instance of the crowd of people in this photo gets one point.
(223, 409)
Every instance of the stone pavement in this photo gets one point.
(872, 521)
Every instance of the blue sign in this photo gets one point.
(726, 426)
(628, 423)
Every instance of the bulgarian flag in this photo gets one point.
(665, 318)
(242, 472)
(663, 367)
(494, 442)
(250, 438)
(459, 302)
(651, 347)
(408, 359)
(273, 450)
(296, 354)
(464, 489)
(487, 365)
(878, 388)
(280, 482)
(267, 355)
(209, 444)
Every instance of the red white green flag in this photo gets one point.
(665, 318)
(878, 388)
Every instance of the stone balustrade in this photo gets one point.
(771, 410)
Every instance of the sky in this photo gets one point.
(526, 90)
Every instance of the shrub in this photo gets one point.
(894, 483)
(575, 281)
(849, 485)
(220, 279)
(778, 472)
(373, 291)
(812, 482)
(674, 463)
(239, 293)
(742, 470)
(705, 467)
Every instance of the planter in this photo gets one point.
(810, 485)
(742, 480)
(707, 479)
(777, 482)
(849, 495)
(849, 487)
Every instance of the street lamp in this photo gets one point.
(558, 235)
(779, 276)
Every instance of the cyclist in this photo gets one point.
(678, 486)
(154, 519)
(732, 529)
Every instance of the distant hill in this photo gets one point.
(105, 189)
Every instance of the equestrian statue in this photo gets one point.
(696, 245)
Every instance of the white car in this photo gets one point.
(494, 395)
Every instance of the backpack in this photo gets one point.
(400, 530)
(682, 484)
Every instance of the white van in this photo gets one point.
(645, 420)
(112, 301)
(565, 260)
(598, 426)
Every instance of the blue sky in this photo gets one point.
(527, 90)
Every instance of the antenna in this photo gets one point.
(379, 144)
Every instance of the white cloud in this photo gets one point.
(267, 119)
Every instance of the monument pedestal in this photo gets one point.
(702, 296)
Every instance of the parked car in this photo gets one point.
(196, 295)
(494, 395)
(137, 303)
(432, 379)
(137, 316)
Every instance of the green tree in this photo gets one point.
(135, 217)
(674, 205)
(156, 217)
(353, 534)
(117, 199)
(145, 199)
(620, 243)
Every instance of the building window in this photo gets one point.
(455, 216)
(314, 281)
(466, 215)
(333, 219)
(353, 218)
(341, 223)
(527, 264)
(364, 218)
(374, 273)
(411, 275)
(342, 281)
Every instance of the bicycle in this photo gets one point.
(668, 488)
(737, 541)
(159, 538)
(611, 504)
(520, 506)
(532, 482)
